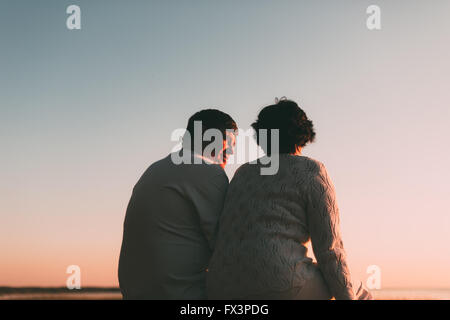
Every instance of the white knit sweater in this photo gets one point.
(264, 226)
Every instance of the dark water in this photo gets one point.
(114, 294)
(8, 293)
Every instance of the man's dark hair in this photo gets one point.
(295, 129)
(210, 119)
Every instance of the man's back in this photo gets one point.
(169, 230)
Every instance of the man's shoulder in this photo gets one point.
(157, 166)
(196, 171)
(170, 165)
(165, 172)
(152, 172)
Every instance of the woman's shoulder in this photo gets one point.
(300, 164)
(307, 164)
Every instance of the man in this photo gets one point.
(171, 219)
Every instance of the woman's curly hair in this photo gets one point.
(295, 129)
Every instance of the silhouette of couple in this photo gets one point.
(190, 234)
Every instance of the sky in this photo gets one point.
(84, 112)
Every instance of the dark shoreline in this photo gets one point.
(31, 290)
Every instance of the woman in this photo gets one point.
(267, 220)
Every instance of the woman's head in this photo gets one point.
(295, 129)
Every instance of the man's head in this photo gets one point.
(210, 133)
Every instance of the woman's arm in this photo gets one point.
(323, 221)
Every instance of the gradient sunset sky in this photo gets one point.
(84, 112)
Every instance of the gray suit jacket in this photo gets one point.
(169, 230)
